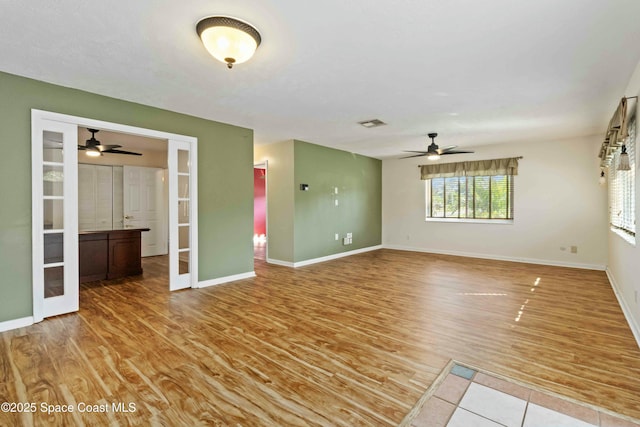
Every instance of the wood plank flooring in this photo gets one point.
(355, 341)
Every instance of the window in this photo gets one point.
(487, 197)
(622, 193)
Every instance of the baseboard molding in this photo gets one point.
(16, 323)
(336, 256)
(279, 262)
(499, 257)
(635, 328)
(324, 258)
(226, 279)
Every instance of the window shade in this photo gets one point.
(508, 166)
(617, 132)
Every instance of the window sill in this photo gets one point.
(624, 236)
(471, 220)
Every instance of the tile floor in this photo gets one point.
(468, 398)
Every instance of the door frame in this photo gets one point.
(37, 118)
(265, 165)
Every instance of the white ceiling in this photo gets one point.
(476, 72)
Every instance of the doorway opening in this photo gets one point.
(260, 240)
(124, 188)
(56, 144)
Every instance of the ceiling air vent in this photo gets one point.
(372, 123)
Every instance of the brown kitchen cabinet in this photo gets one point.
(109, 254)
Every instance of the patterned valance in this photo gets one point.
(508, 166)
(616, 134)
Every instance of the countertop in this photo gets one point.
(112, 229)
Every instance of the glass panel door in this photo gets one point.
(181, 215)
(55, 236)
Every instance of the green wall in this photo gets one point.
(225, 180)
(317, 219)
(302, 224)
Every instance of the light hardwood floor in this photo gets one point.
(355, 341)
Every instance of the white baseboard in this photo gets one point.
(324, 258)
(16, 323)
(336, 256)
(635, 328)
(226, 279)
(279, 262)
(499, 257)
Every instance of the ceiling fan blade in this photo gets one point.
(107, 147)
(114, 151)
(414, 151)
(81, 147)
(456, 152)
(445, 149)
(416, 155)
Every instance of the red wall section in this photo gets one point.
(259, 202)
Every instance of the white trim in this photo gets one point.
(336, 256)
(132, 130)
(499, 257)
(113, 127)
(226, 279)
(324, 258)
(635, 328)
(470, 220)
(624, 235)
(280, 262)
(16, 323)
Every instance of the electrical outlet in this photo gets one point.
(574, 249)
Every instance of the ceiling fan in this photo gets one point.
(434, 152)
(95, 149)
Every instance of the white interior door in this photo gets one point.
(144, 206)
(54, 217)
(183, 240)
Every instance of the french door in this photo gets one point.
(55, 219)
(183, 240)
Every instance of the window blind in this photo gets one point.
(622, 195)
(472, 197)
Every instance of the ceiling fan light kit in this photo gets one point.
(94, 148)
(227, 39)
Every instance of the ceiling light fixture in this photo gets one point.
(93, 153)
(229, 40)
